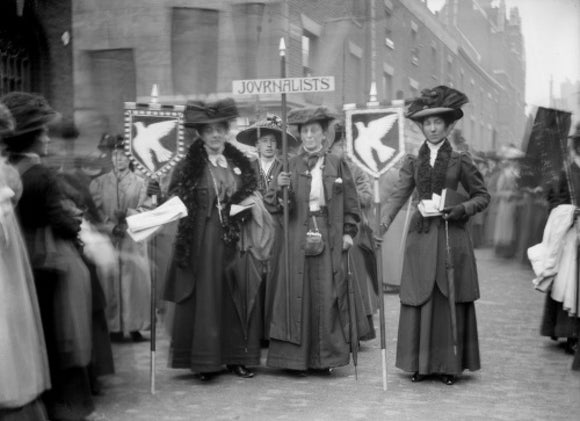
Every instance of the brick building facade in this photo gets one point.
(196, 48)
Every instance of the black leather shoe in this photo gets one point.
(325, 371)
(116, 337)
(241, 371)
(448, 379)
(137, 337)
(206, 377)
(297, 373)
(416, 377)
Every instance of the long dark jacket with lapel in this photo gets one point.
(343, 213)
(424, 262)
(192, 184)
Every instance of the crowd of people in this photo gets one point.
(235, 280)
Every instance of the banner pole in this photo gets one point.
(382, 323)
(285, 188)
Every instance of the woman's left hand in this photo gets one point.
(347, 242)
(456, 213)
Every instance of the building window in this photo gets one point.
(359, 9)
(190, 74)
(308, 51)
(387, 86)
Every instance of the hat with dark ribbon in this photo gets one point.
(307, 115)
(436, 101)
(272, 124)
(30, 112)
(6, 120)
(111, 142)
(198, 113)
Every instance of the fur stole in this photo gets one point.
(188, 178)
(432, 180)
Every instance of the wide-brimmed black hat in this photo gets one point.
(30, 112)
(301, 116)
(436, 101)
(110, 142)
(6, 121)
(199, 113)
(270, 125)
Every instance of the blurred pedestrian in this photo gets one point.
(61, 278)
(207, 331)
(23, 359)
(128, 294)
(425, 337)
(557, 322)
(310, 319)
(509, 196)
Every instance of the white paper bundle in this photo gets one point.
(143, 225)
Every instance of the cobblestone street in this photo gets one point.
(524, 376)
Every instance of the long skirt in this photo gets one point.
(207, 333)
(556, 322)
(322, 343)
(32, 411)
(425, 340)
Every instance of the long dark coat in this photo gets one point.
(424, 262)
(208, 330)
(343, 209)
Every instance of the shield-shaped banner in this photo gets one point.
(375, 138)
(154, 137)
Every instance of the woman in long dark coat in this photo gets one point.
(61, 277)
(309, 327)
(425, 344)
(266, 136)
(207, 332)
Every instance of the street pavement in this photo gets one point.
(524, 376)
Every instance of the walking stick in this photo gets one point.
(352, 315)
(383, 329)
(451, 287)
(285, 220)
(153, 316)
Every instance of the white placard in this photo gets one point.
(283, 86)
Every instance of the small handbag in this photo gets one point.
(314, 244)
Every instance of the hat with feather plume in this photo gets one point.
(436, 101)
(272, 124)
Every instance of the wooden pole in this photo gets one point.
(285, 188)
(382, 324)
(153, 257)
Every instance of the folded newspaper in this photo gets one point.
(143, 225)
(430, 207)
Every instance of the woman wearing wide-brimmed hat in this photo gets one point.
(556, 321)
(24, 364)
(309, 327)
(207, 333)
(425, 344)
(61, 278)
(128, 290)
(266, 136)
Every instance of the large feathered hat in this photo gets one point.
(436, 101)
(272, 124)
(307, 115)
(30, 112)
(199, 113)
